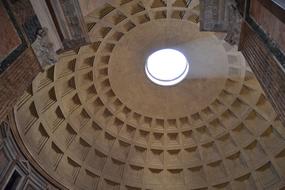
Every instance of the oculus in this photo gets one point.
(166, 67)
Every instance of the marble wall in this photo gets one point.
(264, 17)
(8, 34)
(12, 40)
(214, 15)
(26, 18)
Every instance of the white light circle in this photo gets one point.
(166, 67)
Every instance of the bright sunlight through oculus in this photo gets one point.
(166, 67)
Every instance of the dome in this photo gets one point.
(95, 121)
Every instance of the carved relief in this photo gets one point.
(43, 49)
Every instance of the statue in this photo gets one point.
(43, 49)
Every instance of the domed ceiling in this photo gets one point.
(95, 121)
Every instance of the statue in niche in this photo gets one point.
(43, 49)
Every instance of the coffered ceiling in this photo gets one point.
(95, 121)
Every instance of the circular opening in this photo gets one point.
(166, 67)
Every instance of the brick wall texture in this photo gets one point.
(268, 71)
(16, 79)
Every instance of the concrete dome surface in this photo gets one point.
(95, 121)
